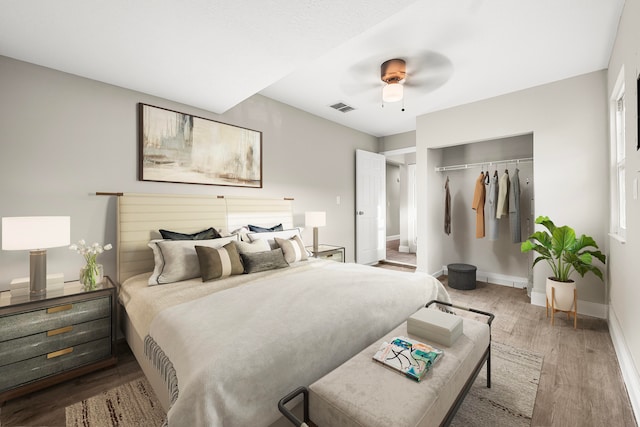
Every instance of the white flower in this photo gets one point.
(89, 252)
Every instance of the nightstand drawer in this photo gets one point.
(31, 346)
(33, 322)
(52, 363)
(335, 256)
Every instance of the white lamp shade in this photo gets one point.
(315, 219)
(392, 92)
(35, 232)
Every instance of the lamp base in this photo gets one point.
(315, 241)
(38, 273)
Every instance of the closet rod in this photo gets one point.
(475, 165)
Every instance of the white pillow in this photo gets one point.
(253, 247)
(177, 260)
(271, 235)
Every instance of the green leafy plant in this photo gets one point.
(563, 251)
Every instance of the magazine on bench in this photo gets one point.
(408, 356)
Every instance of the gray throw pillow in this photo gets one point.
(263, 261)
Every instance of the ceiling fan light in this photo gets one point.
(392, 92)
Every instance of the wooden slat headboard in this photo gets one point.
(140, 216)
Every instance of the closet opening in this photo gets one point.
(491, 243)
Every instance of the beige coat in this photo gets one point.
(478, 205)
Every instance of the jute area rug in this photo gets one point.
(515, 374)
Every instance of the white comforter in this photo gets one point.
(238, 351)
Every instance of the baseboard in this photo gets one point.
(498, 279)
(396, 237)
(438, 273)
(587, 308)
(404, 249)
(625, 360)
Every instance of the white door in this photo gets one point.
(370, 207)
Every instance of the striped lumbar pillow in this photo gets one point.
(216, 263)
(293, 249)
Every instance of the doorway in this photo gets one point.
(401, 209)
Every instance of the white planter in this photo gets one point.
(564, 294)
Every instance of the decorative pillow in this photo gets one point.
(217, 263)
(293, 249)
(177, 260)
(263, 261)
(258, 229)
(270, 236)
(208, 234)
(253, 247)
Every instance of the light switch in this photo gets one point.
(337, 200)
(635, 188)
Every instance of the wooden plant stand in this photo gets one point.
(569, 312)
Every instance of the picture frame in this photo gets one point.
(182, 148)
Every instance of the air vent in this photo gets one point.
(341, 106)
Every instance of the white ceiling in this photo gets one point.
(313, 53)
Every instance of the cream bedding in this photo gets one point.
(239, 344)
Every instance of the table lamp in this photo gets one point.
(36, 234)
(315, 220)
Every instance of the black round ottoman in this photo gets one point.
(462, 276)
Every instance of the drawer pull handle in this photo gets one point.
(59, 308)
(59, 353)
(59, 331)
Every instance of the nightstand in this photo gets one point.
(330, 252)
(65, 334)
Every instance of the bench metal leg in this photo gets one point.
(287, 413)
(489, 367)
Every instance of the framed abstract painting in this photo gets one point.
(182, 148)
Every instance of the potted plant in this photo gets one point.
(565, 254)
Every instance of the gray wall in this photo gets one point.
(624, 291)
(64, 138)
(568, 120)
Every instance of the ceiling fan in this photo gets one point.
(403, 76)
(393, 73)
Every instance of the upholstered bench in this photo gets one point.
(362, 392)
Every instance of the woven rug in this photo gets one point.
(131, 404)
(515, 374)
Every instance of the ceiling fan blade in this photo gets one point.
(428, 70)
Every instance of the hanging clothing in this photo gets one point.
(478, 205)
(447, 208)
(514, 208)
(492, 199)
(503, 196)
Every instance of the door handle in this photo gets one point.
(360, 212)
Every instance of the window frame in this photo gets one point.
(618, 226)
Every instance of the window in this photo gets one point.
(618, 156)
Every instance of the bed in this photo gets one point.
(223, 352)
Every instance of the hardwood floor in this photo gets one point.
(580, 384)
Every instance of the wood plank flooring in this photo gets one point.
(580, 385)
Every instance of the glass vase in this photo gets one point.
(91, 276)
